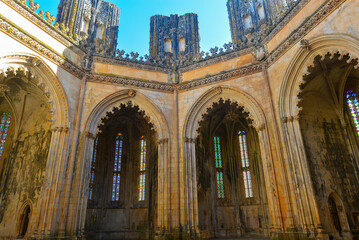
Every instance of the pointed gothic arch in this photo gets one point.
(259, 122)
(90, 131)
(326, 47)
(31, 70)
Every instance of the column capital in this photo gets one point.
(162, 141)
(189, 140)
(90, 135)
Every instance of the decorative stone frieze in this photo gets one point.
(255, 68)
(132, 82)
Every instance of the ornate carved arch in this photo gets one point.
(33, 70)
(259, 122)
(213, 95)
(332, 44)
(90, 130)
(123, 97)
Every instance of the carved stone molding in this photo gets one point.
(255, 68)
(303, 30)
(132, 82)
(36, 45)
(41, 22)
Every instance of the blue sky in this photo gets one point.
(135, 20)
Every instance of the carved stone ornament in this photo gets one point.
(4, 89)
(260, 53)
(304, 43)
(132, 93)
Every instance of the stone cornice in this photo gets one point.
(166, 87)
(28, 40)
(240, 72)
(310, 23)
(42, 23)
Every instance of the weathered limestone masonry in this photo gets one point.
(177, 35)
(95, 21)
(255, 139)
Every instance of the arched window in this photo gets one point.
(142, 183)
(334, 213)
(116, 180)
(4, 129)
(24, 221)
(219, 167)
(245, 164)
(353, 104)
(93, 163)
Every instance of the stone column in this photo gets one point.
(191, 198)
(163, 193)
(83, 183)
(270, 180)
(49, 206)
(305, 205)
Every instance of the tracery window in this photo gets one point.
(93, 164)
(247, 178)
(4, 130)
(353, 104)
(219, 167)
(116, 180)
(142, 181)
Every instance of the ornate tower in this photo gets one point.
(175, 34)
(94, 20)
(249, 19)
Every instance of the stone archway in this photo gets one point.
(303, 80)
(190, 134)
(86, 148)
(31, 78)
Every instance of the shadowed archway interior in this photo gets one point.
(123, 181)
(330, 139)
(231, 193)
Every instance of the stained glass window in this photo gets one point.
(93, 164)
(245, 164)
(354, 108)
(4, 130)
(219, 167)
(142, 183)
(116, 180)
